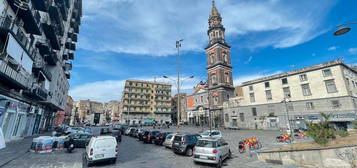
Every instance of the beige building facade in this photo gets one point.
(296, 96)
(145, 102)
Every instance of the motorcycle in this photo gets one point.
(285, 139)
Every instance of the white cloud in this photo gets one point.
(332, 48)
(104, 91)
(244, 78)
(150, 27)
(352, 50)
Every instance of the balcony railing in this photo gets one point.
(14, 76)
(37, 67)
(37, 93)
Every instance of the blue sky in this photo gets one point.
(135, 39)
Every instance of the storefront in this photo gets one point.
(14, 120)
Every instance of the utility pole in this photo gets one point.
(178, 46)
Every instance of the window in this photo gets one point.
(306, 89)
(335, 104)
(226, 117)
(214, 79)
(284, 81)
(326, 72)
(241, 116)
(227, 77)
(250, 88)
(309, 106)
(267, 85)
(254, 111)
(215, 100)
(303, 77)
(252, 97)
(354, 85)
(286, 91)
(330, 86)
(268, 95)
(212, 58)
(225, 60)
(201, 99)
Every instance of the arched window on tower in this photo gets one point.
(211, 58)
(226, 76)
(214, 79)
(225, 58)
(217, 34)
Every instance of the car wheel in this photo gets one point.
(219, 164)
(189, 152)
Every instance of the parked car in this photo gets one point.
(149, 136)
(128, 130)
(132, 132)
(117, 135)
(79, 139)
(105, 131)
(168, 140)
(70, 130)
(160, 138)
(137, 131)
(101, 149)
(184, 143)
(211, 150)
(140, 134)
(211, 134)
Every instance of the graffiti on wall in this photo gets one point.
(347, 154)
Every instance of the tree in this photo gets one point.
(321, 132)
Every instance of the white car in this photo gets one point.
(168, 140)
(101, 149)
(213, 134)
(211, 150)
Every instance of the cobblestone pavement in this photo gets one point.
(135, 154)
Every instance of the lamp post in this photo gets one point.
(178, 115)
(343, 29)
(285, 101)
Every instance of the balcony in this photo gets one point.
(56, 17)
(31, 24)
(37, 93)
(13, 76)
(71, 46)
(63, 7)
(68, 66)
(41, 5)
(44, 47)
(40, 67)
(51, 58)
(71, 56)
(74, 37)
(50, 32)
(68, 75)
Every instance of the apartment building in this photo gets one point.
(112, 111)
(91, 112)
(37, 42)
(293, 97)
(145, 102)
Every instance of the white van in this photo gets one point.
(101, 149)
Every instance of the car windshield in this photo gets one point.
(207, 144)
(178, 138)
(215, 133)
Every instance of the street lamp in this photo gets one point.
(285, 101)
(178, 83)
(343, 29)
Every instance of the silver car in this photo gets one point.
(211, 150)
(168, 140)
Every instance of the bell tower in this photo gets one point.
(220, 81)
